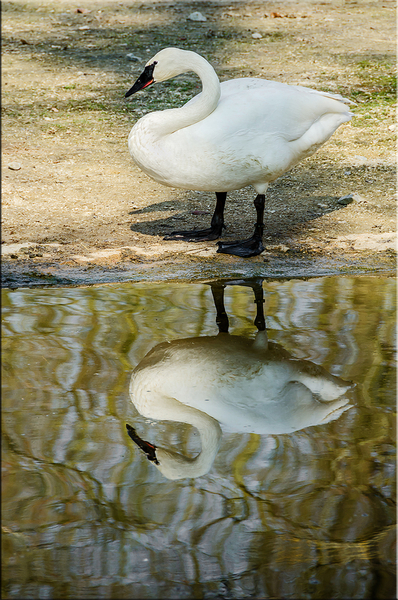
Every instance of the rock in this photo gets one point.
(391, 127)
(133, 57)
(377, 242)
(345, 200)
(130, 254)
(8, 249)
(196, 16)
(360, 160)
(257, 36)
(15, 166)
(277, 248)
(84, 28)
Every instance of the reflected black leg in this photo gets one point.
(217, 290)
(259, 321)
(204, 235)
(253, 245)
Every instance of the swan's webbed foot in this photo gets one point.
(251, 247)
(200, 235)
(204, 235)
(149, 449)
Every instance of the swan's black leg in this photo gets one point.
(254, 245)
(204, 235)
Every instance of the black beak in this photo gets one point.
(149, 449)
(145, 79)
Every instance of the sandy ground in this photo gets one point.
(75, 203)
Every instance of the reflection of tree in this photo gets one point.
(310, 511)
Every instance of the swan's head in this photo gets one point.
(146, 447)
(166, 64)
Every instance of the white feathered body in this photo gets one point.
(245, 386)
(258, 130)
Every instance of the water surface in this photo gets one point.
(306, 514)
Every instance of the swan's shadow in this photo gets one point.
(281, 218)
(244, 385)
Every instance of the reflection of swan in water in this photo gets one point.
(246, 385)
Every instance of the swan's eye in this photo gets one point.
(149, 68)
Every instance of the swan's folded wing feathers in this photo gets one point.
(267, 108)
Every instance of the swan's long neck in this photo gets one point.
(173, 464)
(171, 120)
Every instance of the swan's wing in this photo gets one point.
(338, 97)
(303, 409)
(239, 86)
(251, 110)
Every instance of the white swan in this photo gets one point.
(242, 132)
(248, 386)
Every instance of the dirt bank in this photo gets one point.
(74, 204)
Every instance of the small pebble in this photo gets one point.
(133, 57)
(360, 159)
(15, 166)
(344, 200)
(257, 36)
(391, 127)
(197, 16)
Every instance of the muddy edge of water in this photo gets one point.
(52, 274)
